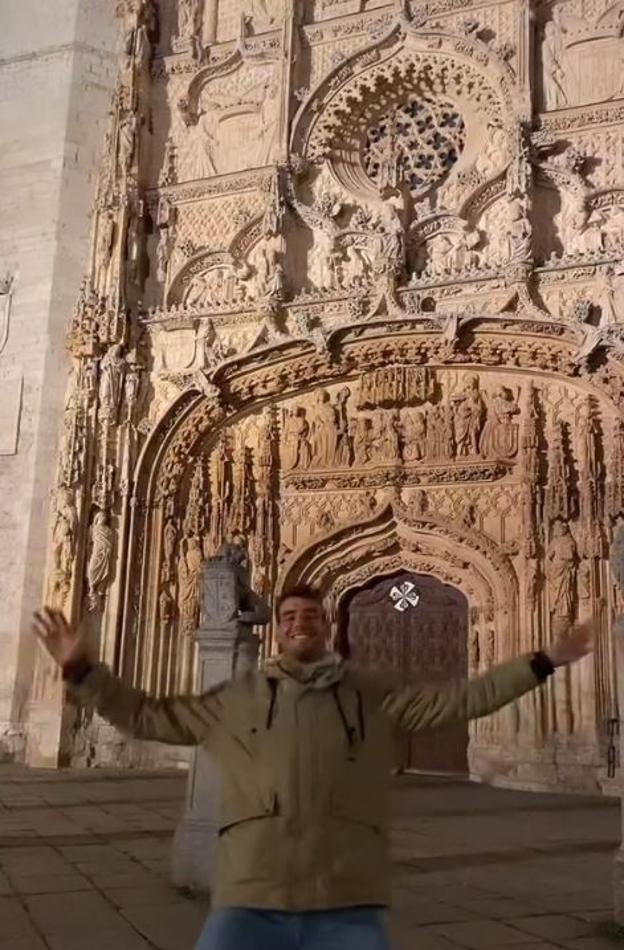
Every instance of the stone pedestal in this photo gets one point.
(618, 864)
(227, 648)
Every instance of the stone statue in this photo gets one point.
(164, 250)
(112, 373)
(64, 531)
(562, 567)
(414, 435)
(554, 75)
(100, 561)
(199, 161)
(189, 569)
(166, 608)
(324, 430)
(170, 536)
(387, 436)
(355, 267)
(189, 18)
(244, 606)
(104, 251)
(127, 136)
(343, 448)
(360, 438)
(469, 414)
(500, 433)
(518, 230)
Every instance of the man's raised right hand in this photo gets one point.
(65, 645)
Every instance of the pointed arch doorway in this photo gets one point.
(416, 626)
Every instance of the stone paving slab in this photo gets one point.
(84, 857)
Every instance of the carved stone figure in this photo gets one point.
(518, 231)
(189, 572)
(100, 560)
(360, 436)
(64, 531)
(112, 373)
(164, 250)
(554, 75)
(343, 448)
(469, 416)
(170, 536)
(414, 435)
(324, 431)
(387, 436)
(562, 567)
(127, 140)
(189, 18)
(355, 267)
(166, 608)
(105, 244)
(500, 433)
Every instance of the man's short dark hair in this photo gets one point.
(304, 591)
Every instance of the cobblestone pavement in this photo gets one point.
(84, 859)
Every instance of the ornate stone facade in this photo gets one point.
(356, 294)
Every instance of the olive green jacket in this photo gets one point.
(305, 756)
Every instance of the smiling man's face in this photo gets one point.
(302, 629)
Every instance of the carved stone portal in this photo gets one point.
(354, 305)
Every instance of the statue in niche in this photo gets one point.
(170, 536)
(343, 449)
(554, 74)
(189, 572)
(296, 448)
(500, 433)
(587, 429)
(202, 142)
(414, 435)
(447, 432)
(518, 230)
(389, 241)
(189, 18)
(324, 431)
(100, 560)
(469, 416)
(355, 268)
(606, 298)
(439, 255)
(112, 374)
(435, 433)
(360, 430)
(562, 567)
(386, 436)
(269, 121)
(325, 270)
(104, 248)
(126, 143)
(64, 532)
(166, 608)
(164, 250)
(585, 580)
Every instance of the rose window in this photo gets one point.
(416, 144)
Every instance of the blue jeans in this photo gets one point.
(240, 928)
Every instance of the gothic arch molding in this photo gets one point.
(426, 543)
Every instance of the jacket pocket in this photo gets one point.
(238, 812)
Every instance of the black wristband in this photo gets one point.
(76, 671)
(542, 666)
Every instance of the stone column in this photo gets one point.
(227, 648)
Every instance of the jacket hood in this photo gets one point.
(322, 674)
